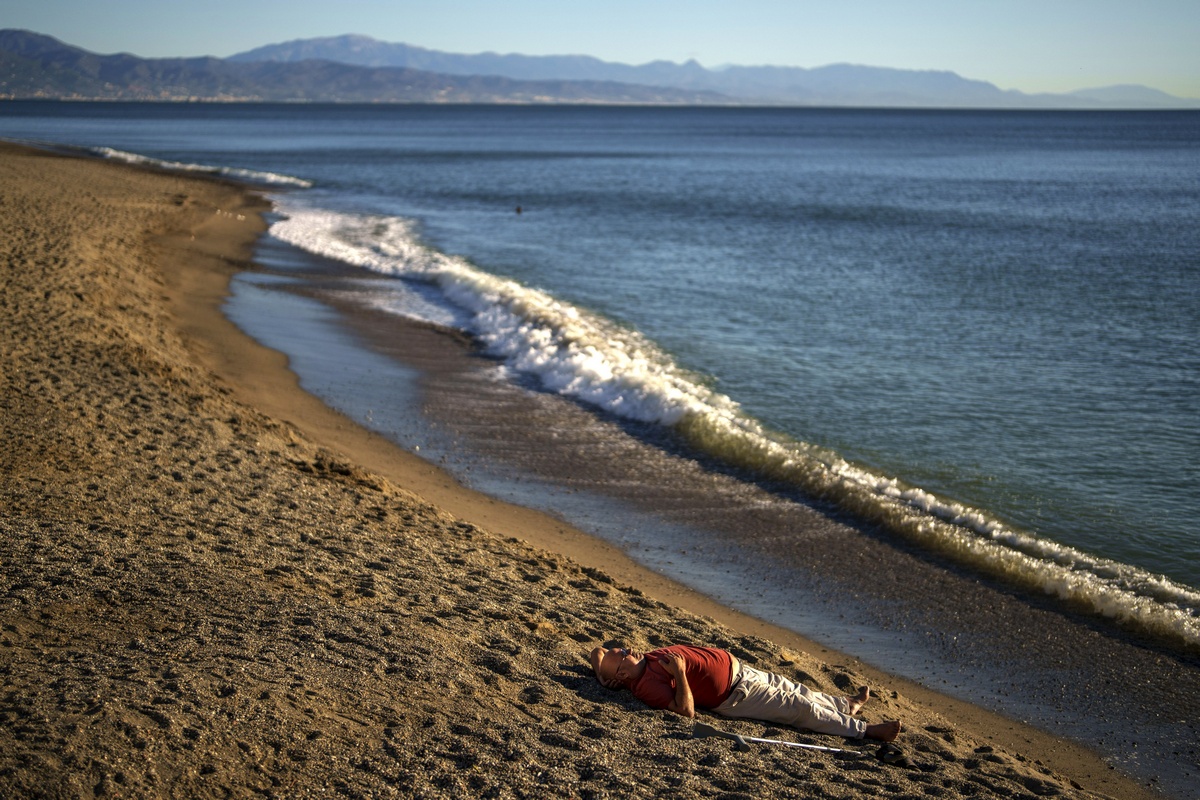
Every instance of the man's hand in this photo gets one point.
(674, 664)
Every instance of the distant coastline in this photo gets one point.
(358, 69)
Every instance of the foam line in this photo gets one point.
(586, 356)
(249, 175)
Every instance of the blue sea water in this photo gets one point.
(987, 318)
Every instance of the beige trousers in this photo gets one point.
(773, 698)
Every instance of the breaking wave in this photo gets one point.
(249, 175)
(588, 357)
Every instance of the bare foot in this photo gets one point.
(884, 731)
(859, 700)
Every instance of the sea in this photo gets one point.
(731, 340)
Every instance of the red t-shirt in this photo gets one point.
(708, 674)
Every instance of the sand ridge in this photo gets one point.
(197, 598)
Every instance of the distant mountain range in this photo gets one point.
(836, 85)
(360, 69)
(34, 66)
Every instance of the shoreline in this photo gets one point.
(261, 378)
(196, 273)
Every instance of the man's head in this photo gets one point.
(618, 666)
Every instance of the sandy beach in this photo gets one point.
(213, 585)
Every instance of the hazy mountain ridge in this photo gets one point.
(356, 68)
(37, 66)
(836, 84)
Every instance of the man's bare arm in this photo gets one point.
(595, 656)
(683, 703)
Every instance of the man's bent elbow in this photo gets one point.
(594, 657)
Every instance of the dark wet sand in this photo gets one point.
(211, 584)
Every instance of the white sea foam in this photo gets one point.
(572, 352)
(588, 357)
(249, 175)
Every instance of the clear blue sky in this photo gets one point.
(1030, 45)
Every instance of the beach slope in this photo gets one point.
(198, 598)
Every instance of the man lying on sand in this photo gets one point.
(682, 678)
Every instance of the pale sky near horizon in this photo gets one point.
(1028, 45)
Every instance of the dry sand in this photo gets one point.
(213, 585)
